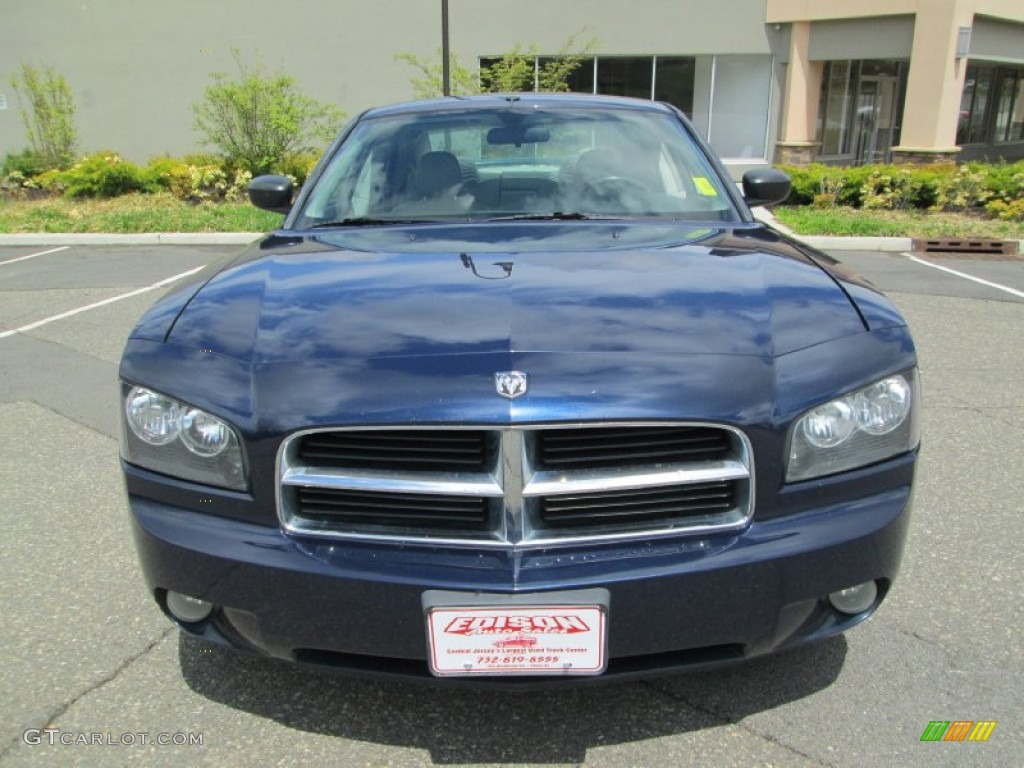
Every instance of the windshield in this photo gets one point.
(517, 162)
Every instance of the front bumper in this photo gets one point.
(674, 603)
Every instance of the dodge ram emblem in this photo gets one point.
(510, 384)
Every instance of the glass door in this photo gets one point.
(876, 118)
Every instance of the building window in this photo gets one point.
(837, 86)
(727, 97)
(625, 76)
(860, 110)
(974, 105)
(1010, 113)
(740, 105)
(673, 81)
(992, 105)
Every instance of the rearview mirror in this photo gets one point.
(518, 134)
(272, 193)
(765, 186)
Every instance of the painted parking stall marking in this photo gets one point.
(98, 304)
(965, 276)
(34, 255)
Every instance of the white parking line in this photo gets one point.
(95, 305)
(33, 255)
(965, 276)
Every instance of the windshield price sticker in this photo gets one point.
(517, 640)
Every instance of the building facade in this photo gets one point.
(841, 81)
(901, 80)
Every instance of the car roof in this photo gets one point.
(493, 100)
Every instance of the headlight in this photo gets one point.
(175, 439)
(860, 428)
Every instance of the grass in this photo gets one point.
(805, 220)
(165, 213)
(131, 214)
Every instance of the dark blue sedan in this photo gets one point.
(520, 390)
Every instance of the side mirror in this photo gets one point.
(272, 193)
(765, 186)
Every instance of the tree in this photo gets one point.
(48, 111)
(259, 118)
(513, 71)
(555, 71)
(429, 83)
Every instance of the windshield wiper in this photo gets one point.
(367, 221)
(556, 216)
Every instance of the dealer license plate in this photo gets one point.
(517, 640)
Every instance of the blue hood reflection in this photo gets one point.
(670, 328)
(331, 303)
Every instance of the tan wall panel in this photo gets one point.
(935, 80)
(781, 11)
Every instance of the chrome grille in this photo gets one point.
(528, 486)
(400, 450)
(637, 504)
(383, 510)
(615, 447)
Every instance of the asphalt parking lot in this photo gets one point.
(85, 651)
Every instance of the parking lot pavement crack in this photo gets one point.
(726, 719)
(995, 413)
(92, 428)
(930, 642)
(61, 709)
(61, 347)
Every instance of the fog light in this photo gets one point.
(854, 600)
(188, 609)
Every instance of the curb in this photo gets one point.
(886, 244)
(893, 244)
(824, 243)
(845, 243)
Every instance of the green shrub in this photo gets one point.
(858, 180)
(1007, 210)
(28, 163)
(101, 174)
(1005, 181)
(258, 118)
(297, 166)
(168, 173)
(894, 190)
(197, 183)
(48, 111)
(203, 158)
(18, 172)
(891, 187)
(962, 190)
(807, 182)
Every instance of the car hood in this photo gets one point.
(439, 293)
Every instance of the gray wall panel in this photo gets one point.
(997, 40)
(877, 38)
(137, 66)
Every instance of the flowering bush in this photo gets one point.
(996, 189)
(199, 182)
(962, 190)
(102, 174)
(890, 191)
